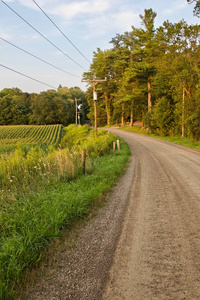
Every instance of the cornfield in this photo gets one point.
(31, 134)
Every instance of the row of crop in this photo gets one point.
(46, 134)
(42, 134)
(31, 138)
(11, 132)
(37, 134)
(15, 132)
(57, 136)
(49, 134)
(47, 137)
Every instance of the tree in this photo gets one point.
(196, 10)
(143, 47)
(6, 115)
(19, 111)
(162, 117)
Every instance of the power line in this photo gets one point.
(28, 76)
(43, 36)
(60, 31)
(38, 58)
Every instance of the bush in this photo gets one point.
(74, 135)
(100, 145)
(162, 117)
(192, 125)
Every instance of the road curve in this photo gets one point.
(158, 253)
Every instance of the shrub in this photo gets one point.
(74, 135)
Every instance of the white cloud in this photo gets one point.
(7, 32)
(81, 8)
(125, 20)
(176, 6)
(6, 36)
(114, 22)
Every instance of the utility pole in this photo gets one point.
(94, 81)
(79, 118)
(76, 110)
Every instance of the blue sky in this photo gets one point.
(89, 24)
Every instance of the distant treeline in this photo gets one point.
(153, 75)
(50, 107)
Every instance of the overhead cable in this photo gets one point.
(28, 76)
(60, 31)
(38, 57)
(43, 35)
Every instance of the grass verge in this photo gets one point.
(31, 222)
(176, 140)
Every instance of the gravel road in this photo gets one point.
(158, 254)
(144, 244)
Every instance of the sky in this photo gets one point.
(86, 24)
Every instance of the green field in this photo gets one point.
(31, 134)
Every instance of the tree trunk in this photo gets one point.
(122, 123)
(149, 95)
(107, 109)
(131, 116)
(95, 118)
(183, 114)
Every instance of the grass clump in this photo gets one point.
(29, 220)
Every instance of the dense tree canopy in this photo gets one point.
(50, 107)
(153, 75)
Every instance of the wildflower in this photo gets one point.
(35, 167)
(11, 180)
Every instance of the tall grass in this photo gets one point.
(34, 213)
(26, 171)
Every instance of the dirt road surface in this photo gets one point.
(158, 254)
(144, 244)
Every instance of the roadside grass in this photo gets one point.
(7, 148)
(31, 221)
(176, 140)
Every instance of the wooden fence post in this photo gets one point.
(118, 145)
(114, 146)
(83, 160)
